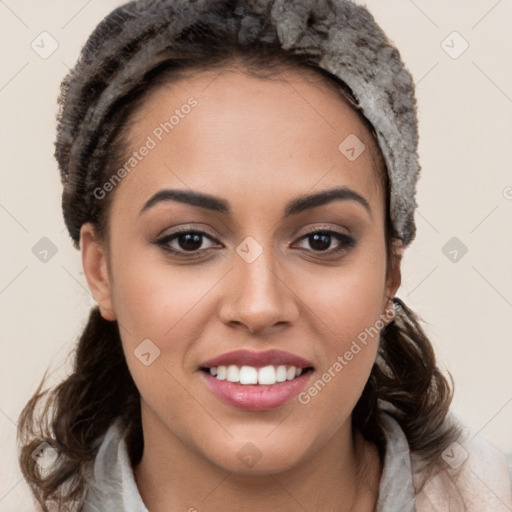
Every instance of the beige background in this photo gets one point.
(465, 191)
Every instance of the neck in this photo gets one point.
(342, 476)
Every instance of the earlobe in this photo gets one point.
(94, 262)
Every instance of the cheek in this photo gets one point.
(350, 317)
(347, 300)
(166, 305)
(347, 308)
(150, 296)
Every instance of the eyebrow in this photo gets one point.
(295, 206)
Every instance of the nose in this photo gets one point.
(257, 297)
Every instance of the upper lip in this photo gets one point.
(257, 359)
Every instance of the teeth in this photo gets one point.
(233, 374)
(248, 375)
(267, 375)
(281, 373)
(221, 372)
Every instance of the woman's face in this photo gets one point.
(253, 279)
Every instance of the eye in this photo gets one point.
(321, 240)
(184, 241)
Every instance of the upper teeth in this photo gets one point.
(250, 375)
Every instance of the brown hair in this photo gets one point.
(78, 411)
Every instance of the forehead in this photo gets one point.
(233, 135)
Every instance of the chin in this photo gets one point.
(257, 455)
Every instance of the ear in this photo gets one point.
(94, 262)
(394, 278)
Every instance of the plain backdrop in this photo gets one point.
(459, 54)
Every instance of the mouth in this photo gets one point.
(256, 381)
(256, 396)
(248, 367)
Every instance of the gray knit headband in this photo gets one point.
(342, 36)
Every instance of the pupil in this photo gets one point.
(320, 242)
(191, 241)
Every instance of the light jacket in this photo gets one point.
(474, 476)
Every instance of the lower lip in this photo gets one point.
(253, 397)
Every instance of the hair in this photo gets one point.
(73, 416)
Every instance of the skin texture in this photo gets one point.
(257, 144)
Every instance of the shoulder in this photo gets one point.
(472, 476)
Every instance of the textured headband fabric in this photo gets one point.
(341, 37)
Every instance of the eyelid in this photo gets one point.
(324, 228)
(184, 229)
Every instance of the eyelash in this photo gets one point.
(346, 241)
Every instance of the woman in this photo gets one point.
(240, 179)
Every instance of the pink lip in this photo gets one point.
(256, 397)
(257, 359)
